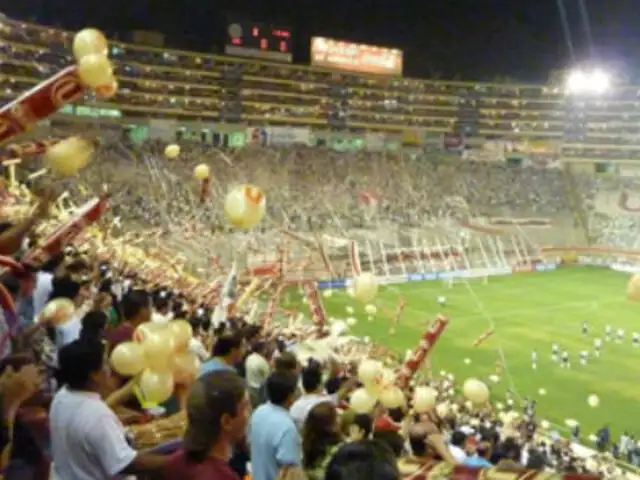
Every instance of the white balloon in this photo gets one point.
(475, 391)
(370, 309)
(349, 310)
(327, 293)
(172, 151)
(542, 392)
(467, 361)
(593, 401)
(392, 397)
(365, 287)
(545, 424)
(368, 371)
(351, 321)
(424, 399)
(245, 206)
(494, 378)
(362, 401)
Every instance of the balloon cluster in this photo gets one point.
(91, 50)
(159, 356)
(378, 385)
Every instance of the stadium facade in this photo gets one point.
(232, 101)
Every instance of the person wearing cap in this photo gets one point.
(76, 290)
(88, 442)
(218, 409)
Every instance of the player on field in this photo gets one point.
(565, 360)
(585, 328)
(607, 333)
(534, 360)
(584, 356)
(555, 350)
(620, 335)
(635, 340)
(597, 345)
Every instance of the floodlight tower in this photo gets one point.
(582, 87)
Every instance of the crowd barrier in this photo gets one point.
(444, 275)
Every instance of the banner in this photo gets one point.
(279, 136)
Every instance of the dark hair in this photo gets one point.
(226, 343)
(364, 422)
(311, 377)
(65, 287)
(418, 443)
(510, 449)
(286, 362)
(134, 302)
(53, 263)
(11, 283)
(458, 438)
(363, 460)
(319, 433)
(281, 386)
(393, 440)
(93, 325)
(213, 395)
(77, 361)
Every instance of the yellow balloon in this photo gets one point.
(245, 206)
(172, 151)
(105, 92)
(89, 42)
(57, 311)
(95, 71)
(633, 289)
(201, 172)
(146, 329)
(158, 348)
(128, 359)
(69, 155)
(181, 332)
(156, 385)
(186, 367)
(362, 401)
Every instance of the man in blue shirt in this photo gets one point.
(227, 352)
(276, 448)
(483, 452)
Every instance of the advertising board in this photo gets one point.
(355, 57)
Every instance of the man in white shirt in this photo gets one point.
(87, 440)
(314, 394)
(257, 370)
(456, 446)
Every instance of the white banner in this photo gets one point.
(279, 136)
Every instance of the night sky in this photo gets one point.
(465, 39)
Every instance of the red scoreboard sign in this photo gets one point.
(246, 39)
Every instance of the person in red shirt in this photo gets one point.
(218, 409)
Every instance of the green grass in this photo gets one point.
(529, 311)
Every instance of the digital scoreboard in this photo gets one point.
(248, 39)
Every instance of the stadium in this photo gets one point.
(506, 212)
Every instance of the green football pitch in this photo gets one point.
(530, 312)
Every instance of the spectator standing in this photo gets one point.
(276, 450)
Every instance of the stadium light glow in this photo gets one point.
(588, 82)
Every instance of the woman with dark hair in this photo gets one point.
(321, 438)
